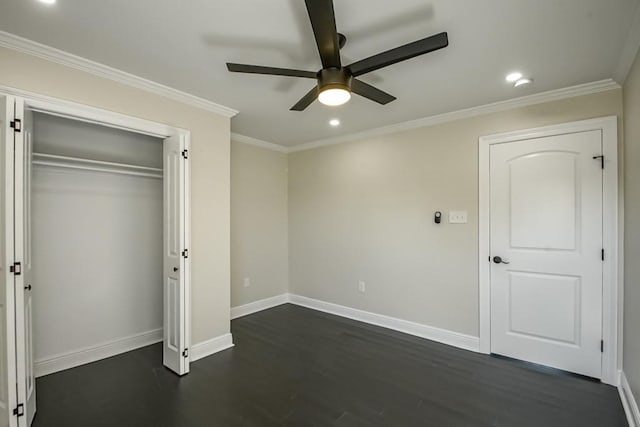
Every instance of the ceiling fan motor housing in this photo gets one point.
(334, 78)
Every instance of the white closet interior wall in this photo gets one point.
(97, 240)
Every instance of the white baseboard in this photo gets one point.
(60, 362)
(455, 339)
(256, 306)
(209, 347)
(629, 402)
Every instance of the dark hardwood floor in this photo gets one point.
(297, 367)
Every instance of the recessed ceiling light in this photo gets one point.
(522, 82)
(514, 77)
(47, 1)
(334, 122)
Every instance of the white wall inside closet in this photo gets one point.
(97, 241)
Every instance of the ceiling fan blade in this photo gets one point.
(323, 22)
(399, 54)
(258, 69)
(370, 92)
(306, 100)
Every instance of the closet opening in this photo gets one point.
(95, 241)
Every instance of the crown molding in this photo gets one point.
(539, 98)
(630, 50)
(51, 54)
(258, 143)
(30, 47)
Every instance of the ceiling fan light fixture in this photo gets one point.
(334, 86)
(334, 96)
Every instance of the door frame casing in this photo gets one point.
(611, 239)
(88, 114)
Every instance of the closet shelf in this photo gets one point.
(68, 162)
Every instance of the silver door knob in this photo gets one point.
(499, 260)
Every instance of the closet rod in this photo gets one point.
(95, 162)
(97, 169)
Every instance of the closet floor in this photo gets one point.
(298, 367)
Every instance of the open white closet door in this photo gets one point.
(8, 392)
(175, 346)
(23, 285)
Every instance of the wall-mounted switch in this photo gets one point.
(458, 217)
(361, 286)
(246, 282)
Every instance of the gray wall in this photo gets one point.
(632, 228)
(97, 240)
(259, 243)
(364, 211)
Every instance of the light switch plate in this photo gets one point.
(457, 217)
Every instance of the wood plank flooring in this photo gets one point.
(293, 366)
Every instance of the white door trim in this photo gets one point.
(89, 114)
(612, 237)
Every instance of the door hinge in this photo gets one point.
(18, 411)
(602, 254)
(16, 268)
(185, 253)
(16, 125)
(185, 154)
(601, 346)
(601, 160)
(185, 353)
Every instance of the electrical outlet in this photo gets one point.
(246, 282)
(458, 217)
(361, 286)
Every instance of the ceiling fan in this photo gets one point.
(335, 83)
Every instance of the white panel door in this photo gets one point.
(23, 283)
(8, 392)
(546, 226)
(175, 352)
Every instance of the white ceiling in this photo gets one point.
(185, 45)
